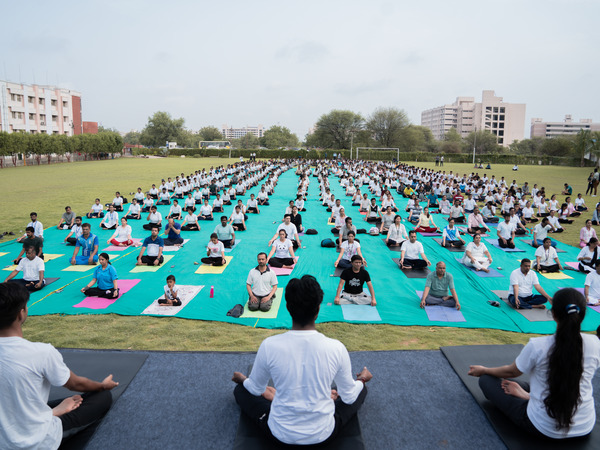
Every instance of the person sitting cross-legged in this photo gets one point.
(173, 232)
(476, 222)
(301, 409)
(348, 249)
(29, 369)
(451, 236)
(88, 243)
(31, 240)
(591, 288)
(477, 255)
(215, 252)
(522, 282)
(33, 270)
(283, 250)
(225, 232)
(410, 252)
(190, 221)
(352, 281)
(261, 285)
(155, 245)
(546, 258)
(506, 233)
(396, 234)
(437, 286)
(110, 220)
(106, 276)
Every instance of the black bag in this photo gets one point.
(327, 243)
(236, 311)
(311, 231)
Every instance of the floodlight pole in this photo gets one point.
(474, 145)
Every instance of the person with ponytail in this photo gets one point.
(106, 277)
(558, 403)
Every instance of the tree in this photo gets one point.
(248, 141)
(334, 129)
(277, 137)
(415, 138)
(453, 136)
(386, 125)
(132, 138)
(210, 133)
(484, 141)
(162, 128)
(531, 146)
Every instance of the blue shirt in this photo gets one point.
(172, 235)
(105, 277)
(87, 244)
(152, 247)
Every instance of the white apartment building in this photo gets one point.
(39, 109)
(236, 133)
(505, 120)
(542, 129)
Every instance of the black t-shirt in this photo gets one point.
(354, 281)
(34, 242)
(297, 220)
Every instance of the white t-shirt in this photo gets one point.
(290, 229)
(397, 233)
(524, 282)
(348, 251)
(97, 208)
(111, 219)
(206, 210)
(215, 249)
(122, 233)
(282, 249)
(533, 360)
(28, 370)
(134, 209)
(413, 249)
(31, 268)
(168, 291)
(548, 257)
(593, 281)
(302, 365)
(190, 219)
(541, 232)
(505, 230)
(261, 282)
(477, 252)
(237, 217)
(155, 217)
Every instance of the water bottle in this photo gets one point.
(212, 291)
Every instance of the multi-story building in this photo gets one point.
(236, 133)
(39, 109)
(542, 129)
(505, 120)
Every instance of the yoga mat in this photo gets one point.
(493, 273)
(47, 258)
(574, 265)
(174, 248)
(450, 249)
(103, 303)
(237, 241)
(397, 248)
(84, 267)
(205, 268)
(438, 313)
(556, 276)
(528, 242)
(533, 314)
(3, 253)
(144, 268)
(410, 273)
(249, 437)
(337, 272)
(460, 358)
(367, 300)
(270, 314)
(332, 224)
(494, 242)
(186, 293)
(429, 234)
(361, 313)
(115, 248)
(280, 271)
(96, 365)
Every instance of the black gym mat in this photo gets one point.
(97, 365)
(450, 248)
(397, 248)
(461, 357)
(411, 273)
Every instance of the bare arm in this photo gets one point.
(83, 384)
(508, 371)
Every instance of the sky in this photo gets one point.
(288, 62)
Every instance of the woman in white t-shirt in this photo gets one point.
(217, 205)
(122, 235)
(558, 403)
(175, 211)
(284, 252)
(189, 202)
(206, 211)
(397, 233)
(252, 205)
(348, 249)
(215, 252)
(237, 220)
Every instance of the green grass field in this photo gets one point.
(47, 189)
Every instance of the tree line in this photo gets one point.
(41, 145)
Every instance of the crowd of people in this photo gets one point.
(506, 211)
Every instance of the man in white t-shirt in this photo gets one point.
(546, 258)
(261, 285)
(290, 229)
(33, 271)
(110, 220)
(410, 252)
(522, 282)
(28, 370)
(506, 233)
(301, 409)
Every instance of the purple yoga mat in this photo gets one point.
(492, 274)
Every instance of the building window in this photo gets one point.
(502, 110)
(65, 103)
(54, 118)
(17, 115)
(40, 101)
(31, 100)
(16, 97)
(55, 132)
(65, 119)
(53, 102)
(31, 116)
(43, 131)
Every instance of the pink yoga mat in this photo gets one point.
(574, 265)
(114, 248)
(281, 271)
(103, 303)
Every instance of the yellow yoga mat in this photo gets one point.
(138, 269)
(47, 257)
(84, 267)
(3, 253)
(556, 276)
(270, 314)
(205, 268)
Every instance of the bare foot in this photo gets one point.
(539, 306)
(513, 388)
(287, 267)
(67, 405)
(486, 270)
